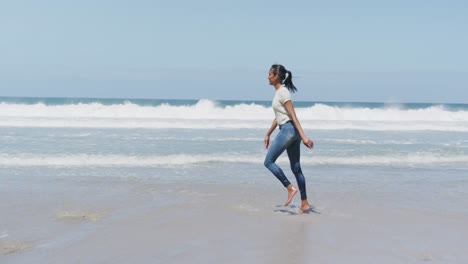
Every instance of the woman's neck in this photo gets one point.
(277, 85)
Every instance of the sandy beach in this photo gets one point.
(144, 221)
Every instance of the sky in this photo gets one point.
(352, 51)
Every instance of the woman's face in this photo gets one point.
(272, 77)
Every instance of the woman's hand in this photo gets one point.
(266, 141)
(308, 142)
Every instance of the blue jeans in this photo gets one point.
(287, 139)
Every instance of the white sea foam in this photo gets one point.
(204, 109)
(3, 234)
(84, 160)
(208, 114)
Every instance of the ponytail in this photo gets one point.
(279, 70)
(289, 84)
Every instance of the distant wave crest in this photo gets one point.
(210, 114)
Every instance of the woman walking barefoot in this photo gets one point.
(290, 136)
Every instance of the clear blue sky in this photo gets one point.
(387, 51)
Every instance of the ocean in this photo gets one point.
(87, 156)
(70, 132)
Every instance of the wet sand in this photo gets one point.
(136, 221)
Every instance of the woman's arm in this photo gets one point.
(267, 137)
(290, 108)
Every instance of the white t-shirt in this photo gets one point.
(282, 95)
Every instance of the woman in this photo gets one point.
(290, 135)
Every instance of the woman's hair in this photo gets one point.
(279, 70)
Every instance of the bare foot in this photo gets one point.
(305, 206)
(291, 192)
